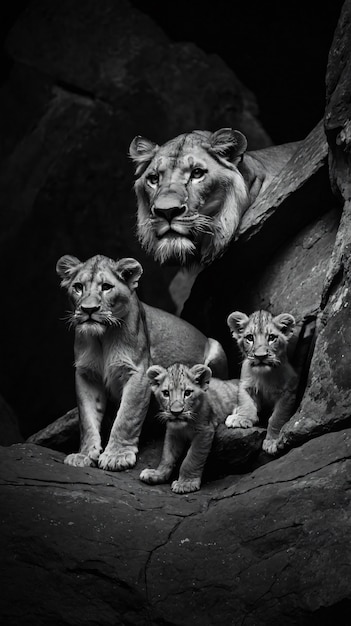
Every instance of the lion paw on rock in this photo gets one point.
(78, 459)
(152, 476)
(235, 420)
(270, 446)
(186, 486)
(117, 461)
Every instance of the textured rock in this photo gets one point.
(84, 546)
(327, 400)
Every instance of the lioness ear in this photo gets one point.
(236, 322)
(286, 324)
(142, 151)
(130, 271)
(154, 374)
(227, 145)
(202, 375)
(66, 266)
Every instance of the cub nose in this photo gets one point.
(90, 308)
(260, 354)
(177, 407)
(170, 213)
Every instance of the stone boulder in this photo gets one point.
(85, 546)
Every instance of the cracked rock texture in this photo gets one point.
(85, 546)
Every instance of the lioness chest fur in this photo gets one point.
(117, 338)
(267, 378)
(191, 403)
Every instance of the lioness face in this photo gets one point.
(183, 189)
(100, 290)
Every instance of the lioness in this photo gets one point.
(117, 338)
(192, 191)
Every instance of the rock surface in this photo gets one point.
(327, 400)
(85, 546)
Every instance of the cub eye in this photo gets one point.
(249, 337)
(78, 287)
(188, 393)
(106, 287)
(198, 172)
(272, 338)
(165, 393)
(152, 179)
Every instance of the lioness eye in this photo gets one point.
(188, 392)
(198, 172)
(272, 338)
(165, 393)
(78, 287)
(249, 337)
(152, 179)
(106, 286)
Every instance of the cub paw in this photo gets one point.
(117, 461)
(79, 460)
(235, 420)
(270, 446)
(186, 486)
(152, 477)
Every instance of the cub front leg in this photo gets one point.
(191, 470)
(244, 413)
(172, 448)
(122, 447)
(282, 412)
(91, 400)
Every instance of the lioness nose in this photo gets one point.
(170, 213)
(90, 308)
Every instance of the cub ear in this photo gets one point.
(228, 146)
(202, 375)
(129, 270)
(66, 266)
(154, 374)
(142, 151)
(286, 324)
(236, 322)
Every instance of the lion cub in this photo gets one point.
(267, 378)
(191, 403)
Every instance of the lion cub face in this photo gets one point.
(262, 338)
(100, 290)
(179, 391)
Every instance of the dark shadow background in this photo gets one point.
(279, 50)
